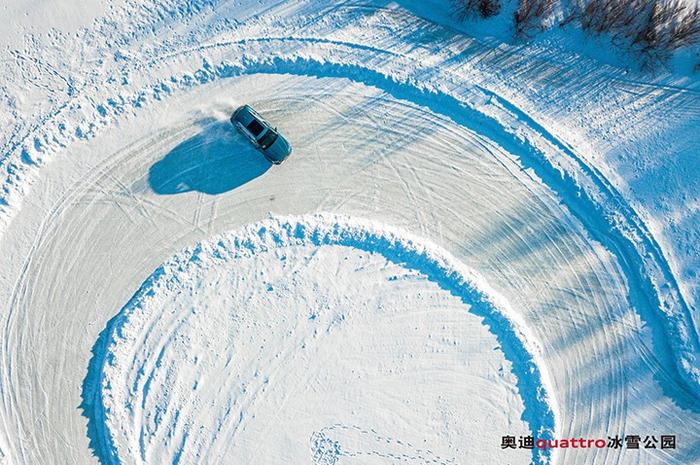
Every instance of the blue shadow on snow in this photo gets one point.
(216, 160)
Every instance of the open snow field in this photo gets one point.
(468, 242)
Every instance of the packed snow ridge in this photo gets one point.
(307, 339)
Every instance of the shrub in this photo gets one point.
(652, 28)
(618, 18)
(666, 27)
(531, 13)
(655, 29)
(484, 8)
(686, 31)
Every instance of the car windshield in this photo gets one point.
(255, 127)
(268, 139)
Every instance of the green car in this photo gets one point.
(261, 133)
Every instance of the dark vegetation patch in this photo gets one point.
(651, 29)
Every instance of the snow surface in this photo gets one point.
(272, 343)
(536, 168)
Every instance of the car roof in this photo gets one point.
(250, 110)
(245, 113)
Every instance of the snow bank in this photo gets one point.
(344, 327)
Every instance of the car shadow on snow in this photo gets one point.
(216, 160)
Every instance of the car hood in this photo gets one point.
(279, 150)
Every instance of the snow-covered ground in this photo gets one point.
(508, 242)
(351, 336)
